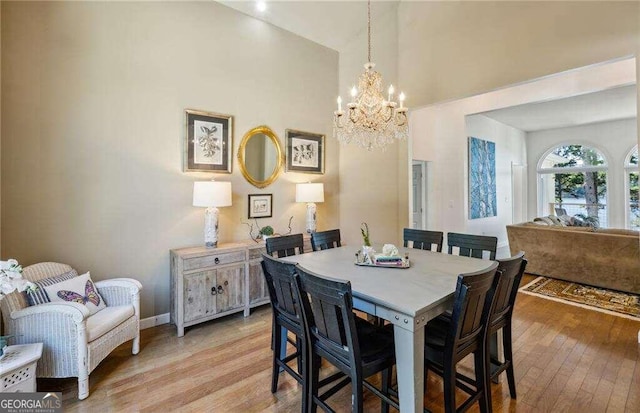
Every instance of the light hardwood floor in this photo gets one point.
(567, 359)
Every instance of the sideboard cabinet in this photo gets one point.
(207, 283)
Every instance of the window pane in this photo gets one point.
(573, 156)
(582, 194)
(633, 159)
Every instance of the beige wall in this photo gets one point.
(93, 99)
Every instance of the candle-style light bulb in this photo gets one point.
(339, 104)
(354, 92)
(391, 90)
(401, 99)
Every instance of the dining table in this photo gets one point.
(405, 297)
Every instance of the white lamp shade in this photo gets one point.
(309, 192)
(211, 194)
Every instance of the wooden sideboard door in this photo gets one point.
(230, 285)
(199, 300)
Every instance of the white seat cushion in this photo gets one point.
(106, 320)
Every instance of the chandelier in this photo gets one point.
(371, 121)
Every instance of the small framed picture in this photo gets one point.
(208, 142)
(260, 205)
(305, 152)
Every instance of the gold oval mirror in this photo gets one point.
(260, 156)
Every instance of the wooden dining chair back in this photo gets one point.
(422, 239)
(472, 245)
(464, 333)
(335, 335)
(471, 307)
(284, 292)
(510, 275)
(325, 239)
(285, 245)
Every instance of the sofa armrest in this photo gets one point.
(119, 291)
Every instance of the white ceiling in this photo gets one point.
(334, 23)
(329, 23)
(607, 105)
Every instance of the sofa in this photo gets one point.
(608, 258)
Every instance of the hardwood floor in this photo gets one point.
(567, 359)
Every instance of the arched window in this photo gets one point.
(572, 180)
(631, 189)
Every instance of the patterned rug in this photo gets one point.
(593, 298)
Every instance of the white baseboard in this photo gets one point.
(156, 320)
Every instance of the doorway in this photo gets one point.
(419, 191)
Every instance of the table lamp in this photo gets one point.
(211, 194)
(310, 193)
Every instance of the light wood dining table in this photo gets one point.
(407, 298)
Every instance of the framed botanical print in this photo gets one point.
(260, 205)
(305, 152)
(208, 142)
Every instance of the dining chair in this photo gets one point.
(285, 245)
(447, 342)
(355, 347)
(284, 294)
(325, 239)
(472, 245)
(422, 239)
(511, 271)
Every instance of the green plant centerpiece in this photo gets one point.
(367, 250)
(364, 229)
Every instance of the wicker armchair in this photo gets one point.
(74, 342)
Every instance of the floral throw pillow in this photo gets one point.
(39, 295)
(80, 290)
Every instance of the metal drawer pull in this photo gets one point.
(213, 291)
(220, 290)
(217, 260)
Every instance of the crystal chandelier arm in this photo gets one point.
(355, 114)
(401, 117)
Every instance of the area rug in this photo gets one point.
(593, 298)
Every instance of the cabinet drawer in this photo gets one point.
(213, 260)
(255, 253)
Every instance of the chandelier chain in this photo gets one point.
(369, 29)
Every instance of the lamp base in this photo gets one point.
(211, 227)
(311, 217)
